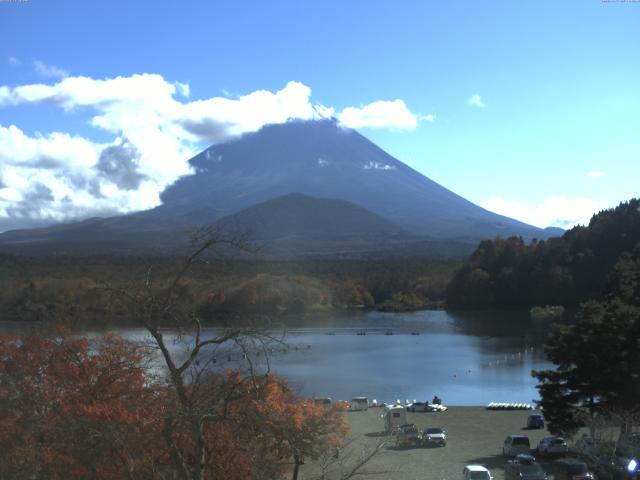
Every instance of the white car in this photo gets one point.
(419, 407)
(434, 436)
(552, 446)
(476, 472)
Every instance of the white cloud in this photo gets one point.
(154, 131)
(14, 61)
(220, 117)
(595, 174)
(51, 71)
(475, 100)
(553, 211)
(380, 114)
(429, 118)
(323, 111)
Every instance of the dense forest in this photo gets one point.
(580, 265)
(77, 287)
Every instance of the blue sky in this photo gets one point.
(527, 108)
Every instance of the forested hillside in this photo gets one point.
(75, 287)
(568, 270)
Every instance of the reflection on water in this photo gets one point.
(466, 359)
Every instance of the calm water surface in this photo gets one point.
(469, 359)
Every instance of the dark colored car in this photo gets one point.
(571, 469)
(524, 467)
(535, 420)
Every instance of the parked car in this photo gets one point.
(323, 401)
(515, 444)
(524, 467)
(408, 436)
(552, 446)
(571, 469)
(535, 420)
(476, 472)
(434, 436)
(419, 407)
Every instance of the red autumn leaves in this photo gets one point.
(74, 408)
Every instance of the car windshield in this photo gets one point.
(556, 441)
(520, 441)
(434, 430)
(479, 476)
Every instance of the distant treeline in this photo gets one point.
(78, 287)
(568, 270)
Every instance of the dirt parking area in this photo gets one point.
(474, 436)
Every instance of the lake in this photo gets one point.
(466, 359)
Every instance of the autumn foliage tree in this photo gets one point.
(71, 407)
(300, 428)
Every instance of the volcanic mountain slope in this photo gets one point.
(322, 159)
(379, 194)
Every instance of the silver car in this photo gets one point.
(514, 445)
(434, 436)
(419, 407)
(552, 446)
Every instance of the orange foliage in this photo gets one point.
(300, 428)
(75, 409)
(72, 408)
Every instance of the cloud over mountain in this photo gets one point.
(154, 128)
(553, 211)
(380, 114)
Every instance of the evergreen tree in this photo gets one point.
(598, 359)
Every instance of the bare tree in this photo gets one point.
(255, 411)
(167, 313)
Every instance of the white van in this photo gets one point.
(359, 403)
(393, 417)
(476, 472)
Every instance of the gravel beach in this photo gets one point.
(474, 436)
